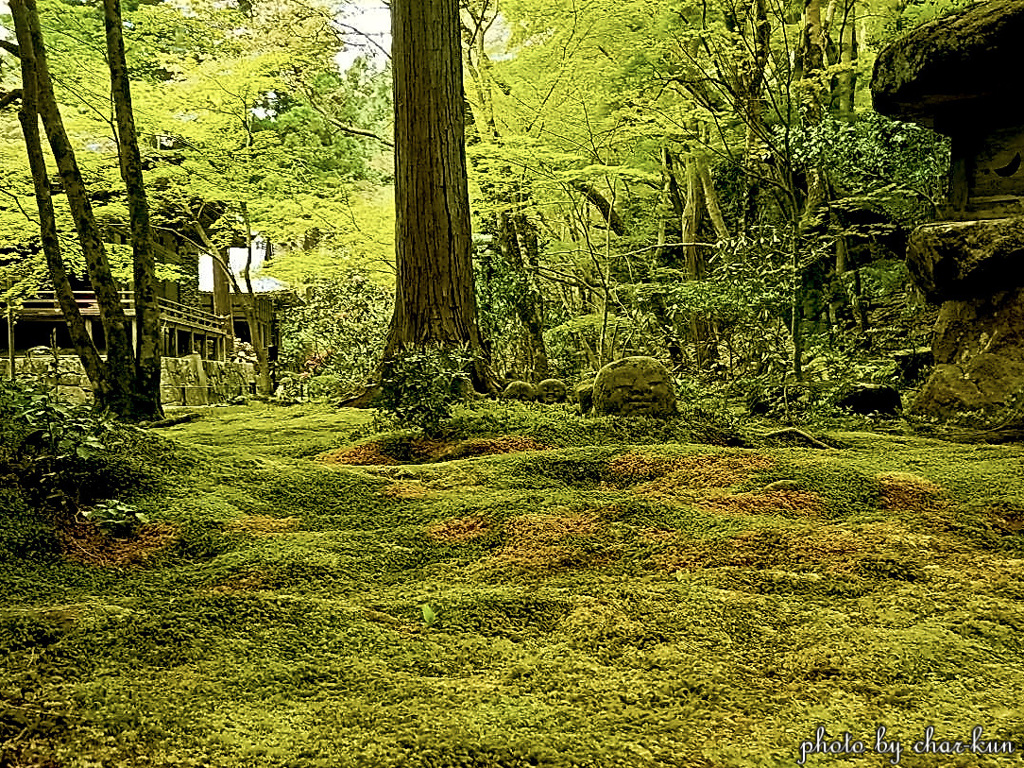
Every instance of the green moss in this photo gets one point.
(581, 615)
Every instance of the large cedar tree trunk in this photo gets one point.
(435, 302)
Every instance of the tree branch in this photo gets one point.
(11, 48)
(9, 97)
(337, 124)
(600, 202)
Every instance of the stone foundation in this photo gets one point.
(185, 380)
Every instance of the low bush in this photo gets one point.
(419, 388)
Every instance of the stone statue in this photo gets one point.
(635, 386)
(551, 391)
(523, 391)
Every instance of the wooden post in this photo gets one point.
(10, 334)
(10, 341)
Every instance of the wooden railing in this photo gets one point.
(190, 317)
(45, 304)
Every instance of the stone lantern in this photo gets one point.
(961, 75)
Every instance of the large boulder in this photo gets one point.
(979, 356)
(958, 75)
(976, 269)
(635, 386)
(946, 70)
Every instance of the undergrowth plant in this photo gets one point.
(115, 517)
(66, 456)
(418, 388)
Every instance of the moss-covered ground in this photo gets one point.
(587, 599)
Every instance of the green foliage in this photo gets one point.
(45, 436)
(115, 517)
(879, 164)
(418, 388)
(339, 331)
(66, 456)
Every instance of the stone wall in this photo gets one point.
(185, 381)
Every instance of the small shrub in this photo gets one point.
(339, 330)
(115, 517)
(418, 388)
(65, 456)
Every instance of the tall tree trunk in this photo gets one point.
(434, 302)
(811, 221)
(28, 116)
(114, 385)
(146, 388)
(696, 264)
(847, 79)
(751, 109)
(813, 48)
(658, 305)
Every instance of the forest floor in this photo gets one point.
(303, 598)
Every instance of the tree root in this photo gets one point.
(800, 435)
(171, 421)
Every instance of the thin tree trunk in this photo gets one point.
(246, 298)
(260, 342)
(696, 265)
(520, 246)
(146, 388)
(711, 198)
(658, 306)
(811, 221)
(811, 112)
(120, 356)
(222, 303)
(516, 231)
(751, 107)
(29, 119)
(847, 80)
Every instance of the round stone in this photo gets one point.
(520, 390)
